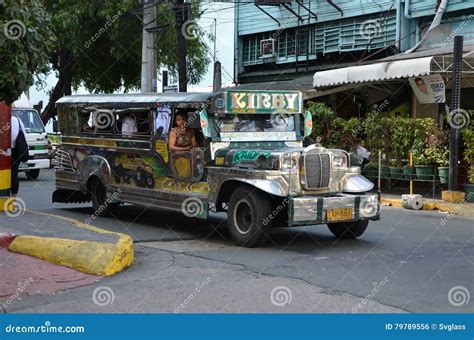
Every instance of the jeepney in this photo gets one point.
(250, 163)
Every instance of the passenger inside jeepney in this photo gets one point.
(181, 137)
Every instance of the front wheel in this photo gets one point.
(32, 174)
(248, 217)
(348, 230)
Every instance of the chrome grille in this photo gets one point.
(63, 160)
(317, 169)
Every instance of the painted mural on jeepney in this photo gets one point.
(148, 172)
(243, 156)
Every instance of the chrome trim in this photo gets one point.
(63, 160)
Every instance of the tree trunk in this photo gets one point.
(63, 87)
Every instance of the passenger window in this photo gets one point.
(130, 123)
(162, 120)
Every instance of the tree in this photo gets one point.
(99, 46)
(25, 41)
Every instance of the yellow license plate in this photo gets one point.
(342, 214)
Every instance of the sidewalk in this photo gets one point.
(68, 242)
(461, 209)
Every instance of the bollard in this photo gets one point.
(412, 202)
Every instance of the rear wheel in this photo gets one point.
(32, 174)
(100, 204)
(348, 230)
(248, 217)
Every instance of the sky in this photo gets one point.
(223, 13)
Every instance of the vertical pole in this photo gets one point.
(411, 175)
(164, 80)
(181, 18)
(217, 83)
(149, 49)
(455, 106)
(380, 168)
(5, 154)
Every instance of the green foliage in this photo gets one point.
(25, 41)
(105, 41)
(468, 137)
(334, 132)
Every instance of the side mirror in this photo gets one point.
(308, 123)
(55, 126)
(206, 131)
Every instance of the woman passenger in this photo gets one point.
(181, 137)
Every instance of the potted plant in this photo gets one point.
(437, 149)
(468, 136)
(401, 141)
(422, 155)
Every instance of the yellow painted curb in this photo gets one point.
(426, 205)
(92, 257)
(3, 200)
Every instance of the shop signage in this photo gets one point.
(263, 102)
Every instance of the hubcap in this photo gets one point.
(243, 217)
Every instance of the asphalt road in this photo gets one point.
(409, 261)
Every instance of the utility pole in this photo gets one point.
(455, 106)
(217, 83)
(149, 48)
(181, 12)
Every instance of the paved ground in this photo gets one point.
(408, 261)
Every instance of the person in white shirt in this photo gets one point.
(129, 126)
(16, 125)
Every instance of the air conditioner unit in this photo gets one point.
(268, 48)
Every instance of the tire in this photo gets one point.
(248, 208)
(98, 195)
(348, 230)
(32, 174)
(150, 181)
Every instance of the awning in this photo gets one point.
(389, 70)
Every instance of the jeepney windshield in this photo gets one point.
(256, 123)
(30, 119)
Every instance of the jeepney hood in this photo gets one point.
(246, 155)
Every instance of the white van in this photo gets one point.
(36, 137)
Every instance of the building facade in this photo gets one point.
(287, 41)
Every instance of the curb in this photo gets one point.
(426, 205)
(91, 257)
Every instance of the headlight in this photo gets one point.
(340, 160)
(289, 163)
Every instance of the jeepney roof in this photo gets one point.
(137, 98)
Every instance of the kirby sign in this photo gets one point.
(263, 102)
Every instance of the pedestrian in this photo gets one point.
(362, 154)
(19, 153)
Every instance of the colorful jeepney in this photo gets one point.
(250, 162)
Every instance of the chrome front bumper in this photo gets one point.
(308, 210)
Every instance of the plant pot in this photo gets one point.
(424, 172)
(406, 172)
(469, 191)
(385, 171)
(370, 170)
(396, 173)
(443, 172)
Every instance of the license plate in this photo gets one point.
(23, 166)
(342, 214)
